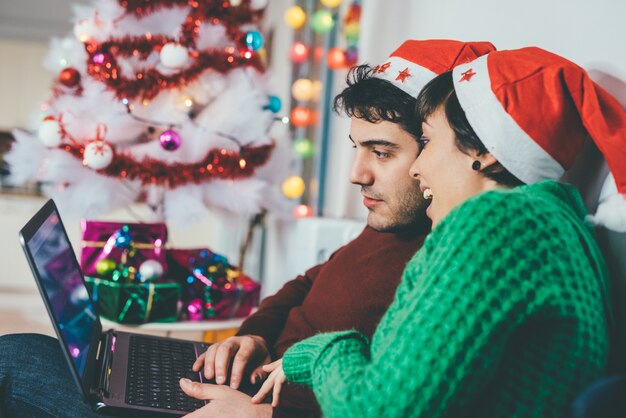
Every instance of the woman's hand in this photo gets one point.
(275, 380)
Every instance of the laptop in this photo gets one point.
(118, 373)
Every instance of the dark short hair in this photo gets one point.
(374, 100)
(440, 92)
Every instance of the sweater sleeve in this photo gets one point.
(461, 297)
(269, 320)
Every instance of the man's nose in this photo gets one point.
(360, 172)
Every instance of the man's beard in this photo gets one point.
(409, 211)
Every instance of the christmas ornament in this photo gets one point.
(352, 55)
(174, 55)
(254, 40)
(69, 77)
(302, 89)
(101, 59)
(300, 116)
(322, 21)
(150, 270)
(235, 3)
(351, 31)
(170, 140)
(295, 17)
(49, 133)
(105, 267)
(302, 211)
(298, 52)
(123, 239)
(273, 104)
(336, 58)
(97, 155)
(194, 310)
(331, 3)
(293, 187)
(303, 147)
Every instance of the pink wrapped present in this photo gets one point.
(212, 288)
(127, 243)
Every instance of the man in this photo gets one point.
(355, 286)
(350, 291)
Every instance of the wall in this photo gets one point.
(589, 33)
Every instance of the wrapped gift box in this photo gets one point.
(129, 244)
(135, 303)
(211, 287)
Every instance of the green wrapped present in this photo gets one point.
(135, 303)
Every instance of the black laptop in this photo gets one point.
(118, 373)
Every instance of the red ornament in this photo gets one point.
(299, 52)
(302, 211)
(336, 59)
(300, 116)
(69, 77)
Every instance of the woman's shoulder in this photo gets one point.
(547, 204)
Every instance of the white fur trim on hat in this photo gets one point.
(404, 74)
(502, 136)
(611, 211)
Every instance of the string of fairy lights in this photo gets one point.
(312, 21)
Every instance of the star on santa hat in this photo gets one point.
(467, 75)
(403, 75)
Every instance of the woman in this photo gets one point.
(503, 312)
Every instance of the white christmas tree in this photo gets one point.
(163, 101)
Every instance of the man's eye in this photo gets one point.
(381, 154)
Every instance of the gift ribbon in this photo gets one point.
(110, 244)
(138, 245)
(133, 297)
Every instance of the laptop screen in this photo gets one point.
(61, 281)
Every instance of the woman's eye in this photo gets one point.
(422, 143)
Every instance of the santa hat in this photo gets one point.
(415, 63)
(534, 110)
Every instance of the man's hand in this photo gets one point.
(248, 351)
(223, 402)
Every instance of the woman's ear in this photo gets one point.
(486, 160)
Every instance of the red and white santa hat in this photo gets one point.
(415, 62)
(534, 110)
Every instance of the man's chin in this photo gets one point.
(381, 224)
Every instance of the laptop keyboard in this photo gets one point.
(155, 367)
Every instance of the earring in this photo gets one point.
(476, 165)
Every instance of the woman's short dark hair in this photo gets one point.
(440, 92)
(374, 99)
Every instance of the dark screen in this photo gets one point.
(62, 282)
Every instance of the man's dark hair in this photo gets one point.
(440, 92)
(374, 99)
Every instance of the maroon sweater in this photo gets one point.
(352, 290)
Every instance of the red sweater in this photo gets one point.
(352, 290)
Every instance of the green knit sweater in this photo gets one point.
(502, 313)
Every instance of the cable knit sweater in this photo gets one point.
(502, 313)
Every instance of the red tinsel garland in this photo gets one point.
(217, 164)
(147, 84)
(209, 9)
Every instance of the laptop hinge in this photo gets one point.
(105, 360)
